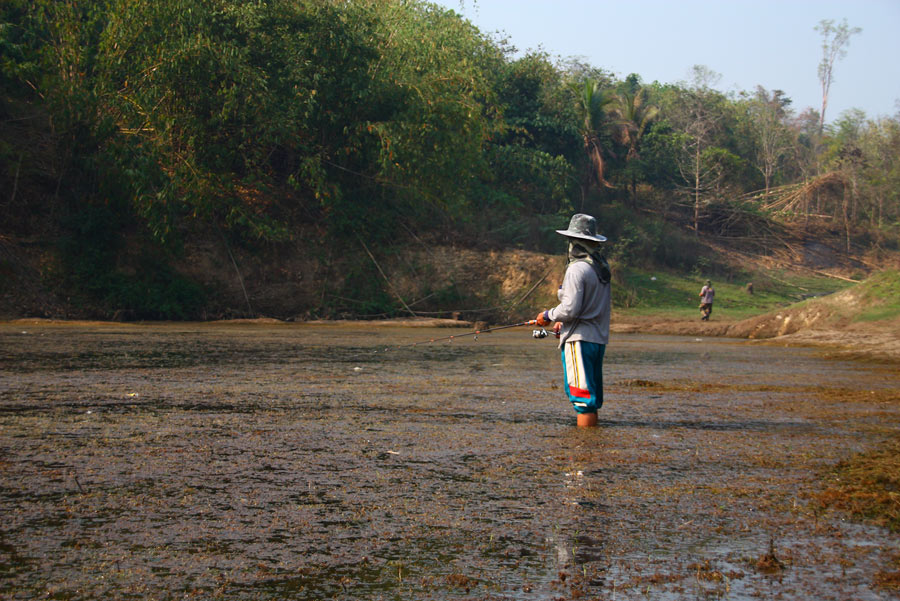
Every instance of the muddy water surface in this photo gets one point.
(314, 462)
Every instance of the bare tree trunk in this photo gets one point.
(844, 202)
(806, 210)
(238, 271)
(825, 86)
(12, 198)
(697, 190)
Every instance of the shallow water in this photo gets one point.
(330, 462)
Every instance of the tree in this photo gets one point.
(880, 145)
(532, 159)
(590, 103)
(632, 114)
(835, 39)
(803, 159)
(435, 75)
(767, 113)
(700, 162)
(847, 159)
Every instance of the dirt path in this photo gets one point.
(306, 462)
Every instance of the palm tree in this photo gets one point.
(632, 114)
(590, 104)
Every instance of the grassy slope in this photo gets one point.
(675, 296)
(880, 296)
(871, 305)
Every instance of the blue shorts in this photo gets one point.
(583, 372)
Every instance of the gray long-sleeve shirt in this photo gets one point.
(584, 305)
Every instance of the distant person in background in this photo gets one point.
(707, 293)
(582, 317)
(749, 287)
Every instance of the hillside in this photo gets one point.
(864, 318)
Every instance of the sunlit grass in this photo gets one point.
(676, 295)
(883, 291)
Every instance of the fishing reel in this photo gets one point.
(542, 333)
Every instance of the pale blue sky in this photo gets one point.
(748, 42)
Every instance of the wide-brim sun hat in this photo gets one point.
(583, 227)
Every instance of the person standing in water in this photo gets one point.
(582, 317)
(707, 294)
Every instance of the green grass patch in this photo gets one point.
(677, 295)
(879, 314)
(882, 293)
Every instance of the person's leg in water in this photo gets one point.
(583, 372)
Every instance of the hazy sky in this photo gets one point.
(748, 42)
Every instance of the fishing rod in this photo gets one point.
(542, 333)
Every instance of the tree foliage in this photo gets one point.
(376, 118)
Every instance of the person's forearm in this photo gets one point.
(567, 310)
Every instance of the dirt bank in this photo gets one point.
(879, 340)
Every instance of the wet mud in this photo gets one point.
(323, 462)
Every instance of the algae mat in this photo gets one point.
(300, 462)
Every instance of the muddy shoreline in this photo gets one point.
(865, 343)
(874, 342)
